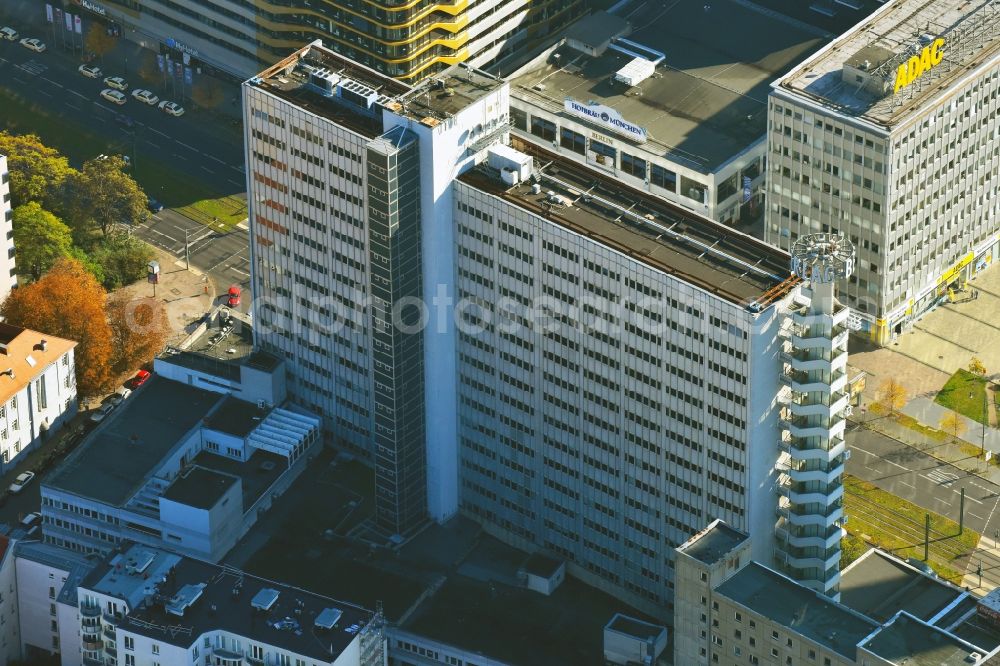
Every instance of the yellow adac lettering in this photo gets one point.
(900, 79)
(913, 70)
(925, 60)
(937, 51)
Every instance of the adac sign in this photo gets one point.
(918, 65)
(606, 117)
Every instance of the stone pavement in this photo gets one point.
(991, 546)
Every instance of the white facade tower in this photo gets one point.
(815, 372)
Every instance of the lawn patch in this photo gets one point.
(222, 213)
(964, 393)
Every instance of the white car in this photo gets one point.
(9, 34)
(145, 96)
(22, 480)
(89, 71)
(114, 96)
(33, 43)
(116, 82)
(101, 412)
(31, 519)
(119, 396)
(173, 108)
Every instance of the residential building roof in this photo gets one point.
(24, 355)
(713, 543)
(199, 487)
(907, 641)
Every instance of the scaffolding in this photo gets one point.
(373, 641)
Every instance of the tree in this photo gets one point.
(98, 41)
(37, 172)
(953, 424)
(207, 93)
(976, 367)
(68, 302)
(149, 70)
(891, 396)
(122, 259)
(40, 238)
(104, 196)
(139, 330)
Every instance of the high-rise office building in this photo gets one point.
(586, 369)
(352, 232)
(8, 272)
(888, 136)
(407, 40)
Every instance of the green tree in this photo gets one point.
(104, 195)
(98, 41)
(207, 93)
(122, 259)
(37, 172)
(40, 238)
(68, 302)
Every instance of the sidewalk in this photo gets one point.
(930, 413)
(991, 547)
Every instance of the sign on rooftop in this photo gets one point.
(918, 65)
(606, 117)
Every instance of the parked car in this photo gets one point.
(172, 108)
(234, 296)
(140, 378)
(114, 96)
(116, 82)
(31, 519)
(101, 412)
(89, 71)
(22, 480)
(33, 44)
(9, 34)
(154, 206)
(145, 96)
(119, 396)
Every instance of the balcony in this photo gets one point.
(802, 472)
(803, 427)
(800, 450)
(823, 494)
(793, 536)
(801, 316)
(800, 517)
(90, 611)
(828, 411)
(808, 559)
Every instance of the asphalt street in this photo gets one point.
(189, 143)
(923, 479)
(224, 256)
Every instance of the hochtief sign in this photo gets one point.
(606, 117)
(918, 65)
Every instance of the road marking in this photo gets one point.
(904, 483)
(213, 157)
(180, 157)
(72, 106)
(238, 184)
(858, 448)
(154, 145)
(55, 83)
(73, 92)
(207, 169)
(942, 478)
(157, 231)
(181, 143)
(975, 515)
(167, 136)
(44, 92)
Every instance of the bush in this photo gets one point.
(122, 259)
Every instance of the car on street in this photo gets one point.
(140, 378)
(89, 71)
(154, 206)
(114, 96)
(172, 108)
(9, 34)
(101, 412)
(33, 44)
(116, 82)
(145, 96)
(234, 296)
(22, 480)
(118, 397)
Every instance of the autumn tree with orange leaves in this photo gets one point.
(139, 330)
(68, 302)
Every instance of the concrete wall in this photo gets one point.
(38, 585)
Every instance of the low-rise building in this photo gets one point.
(37, 388)
(186, 467)
(728, 607)
(144, 606)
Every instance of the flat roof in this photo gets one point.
(114, 461)
(430, 102)
(879, 586)
(713, 543)
(224, 604)
(256, 473)
(799, 608)
(707, 101)
(906, 640)
(633, 627)
(236, 417)
(199, 487)
(887, 39)
(709, 255)
(539, 564)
